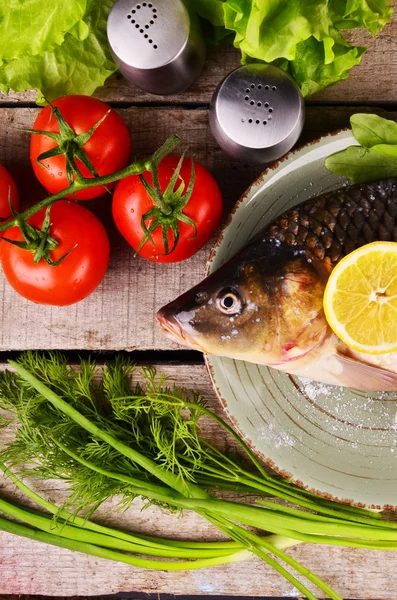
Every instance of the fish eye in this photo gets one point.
(229, 301)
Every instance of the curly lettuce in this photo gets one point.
(303, 37)
(25, 28)
(58, 62)
(78, 66)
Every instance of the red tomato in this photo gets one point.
(77, 276)
(131, 202)
(108, 149)
(7, 185)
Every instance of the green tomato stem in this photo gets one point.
(135, 168)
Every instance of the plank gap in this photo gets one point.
(313, 102)
(175, 357)
(389, 105)
(147, 103)
(143, 596)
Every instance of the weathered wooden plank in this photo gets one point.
(31, 568)
(374, 80)
(120, 314)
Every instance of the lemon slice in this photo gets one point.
(360, 300)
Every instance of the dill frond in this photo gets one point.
(150, 416)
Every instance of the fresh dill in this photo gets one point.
(106, 435)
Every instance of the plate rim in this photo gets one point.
(272, 167)
(210, 369)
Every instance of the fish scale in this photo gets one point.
(334, 224)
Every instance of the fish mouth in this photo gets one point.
(172, 330)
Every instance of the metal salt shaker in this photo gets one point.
(257, 113)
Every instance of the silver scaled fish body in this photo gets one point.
(266, 304)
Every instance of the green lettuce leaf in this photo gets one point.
(371, 130)
(372, 14)
(301, 36)
(385, 149)
(312, 72)
(214, 27)
(273, 29)
(212, 10)
(375, 158)
(37, 26)
(362, 165)
(75, 67)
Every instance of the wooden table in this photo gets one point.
(120, 316)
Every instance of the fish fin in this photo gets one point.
(365, 377)
(323, 267)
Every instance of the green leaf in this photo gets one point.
(371, 130)
(37, 26)
(212, 10)
(362, 165)
(75, 67)
(80, 30)
(313, 73)
(273, 29)
(373, 14)
(301, 37)
(385, 149)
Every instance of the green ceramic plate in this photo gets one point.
(335, 441)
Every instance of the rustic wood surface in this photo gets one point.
(120, 315)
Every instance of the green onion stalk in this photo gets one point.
(82, 535)
(108, 439)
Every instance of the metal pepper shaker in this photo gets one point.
(257, 113)
(157, 45)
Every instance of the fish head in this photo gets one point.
(262, 306)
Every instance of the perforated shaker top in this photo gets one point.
(258, 106)
(148, 35)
